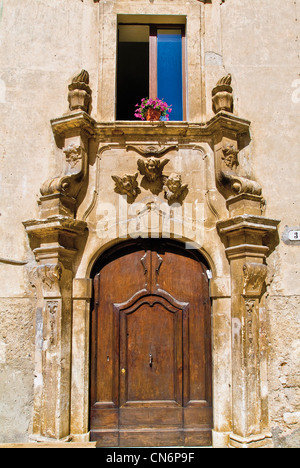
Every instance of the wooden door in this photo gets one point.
(151, 348)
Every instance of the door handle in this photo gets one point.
(151, 360)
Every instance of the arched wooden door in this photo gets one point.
(151, 348)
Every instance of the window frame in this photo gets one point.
(153, 29)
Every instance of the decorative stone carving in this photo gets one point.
(56, 238)
(52, 307)
(152, 170)
(127, 185)
(222, 96)
(151, 151)
(229, 181)
(254, 277)
(67, 186)
(73, 155)
(175, 191)
(48, 274)
(250, 310)
(79, 96)
(230, 156)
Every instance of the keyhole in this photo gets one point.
(151, 360)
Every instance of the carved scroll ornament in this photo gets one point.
(70, 183)
(229, 180)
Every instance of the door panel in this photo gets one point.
(151, 354)
(151, 348)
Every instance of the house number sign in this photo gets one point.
(294, 235)
(291, 235)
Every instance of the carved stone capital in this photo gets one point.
(46, 278)
(254, 278)
(248, 236)
(54, 239)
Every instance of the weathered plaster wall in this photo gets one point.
(42, 44)
(260, 48)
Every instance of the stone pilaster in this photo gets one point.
(245, 237)
(54, 241)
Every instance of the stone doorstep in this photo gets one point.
(79, 445)
(50, 445)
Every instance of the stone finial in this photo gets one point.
(80, 93)
(222, 95)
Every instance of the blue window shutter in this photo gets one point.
(169, 70)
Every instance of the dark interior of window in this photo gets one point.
(133, 69)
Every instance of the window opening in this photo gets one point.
(150, 64)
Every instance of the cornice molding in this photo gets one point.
(80, 120)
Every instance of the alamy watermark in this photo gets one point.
(152, 217)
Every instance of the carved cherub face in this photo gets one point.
(127, 185)
(174, 182)
(151, 166)
(175, 192)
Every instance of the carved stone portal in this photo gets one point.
(58, 235)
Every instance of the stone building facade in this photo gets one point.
(76, 184)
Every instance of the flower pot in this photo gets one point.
(153, 115)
